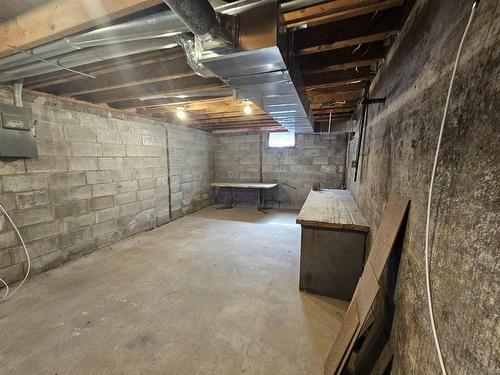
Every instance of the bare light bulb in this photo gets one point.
(181, 114)
(247, 110)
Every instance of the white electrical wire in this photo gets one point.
(431, 186)
(7, 295)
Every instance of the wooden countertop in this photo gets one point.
(331, 208)
(245, 185)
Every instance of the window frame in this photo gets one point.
(282, 147)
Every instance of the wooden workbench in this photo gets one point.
(332, 208)
(245, 185)
(333, 243)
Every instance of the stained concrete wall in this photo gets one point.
(100, 176)
(314, 159)
(397, 157)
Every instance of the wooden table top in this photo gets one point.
(332, 208)
(245, 185)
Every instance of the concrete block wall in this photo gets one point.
(101, 176)
(314, 159)
(397, 156)
(191, 169)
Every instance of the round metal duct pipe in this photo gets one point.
(87, 56)
(198, 15)
(153, 26)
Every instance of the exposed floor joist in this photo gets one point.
(60, 18)
(336, 11)
(168, 87)
(343, 45)
(104, 67)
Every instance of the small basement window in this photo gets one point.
(281, 139)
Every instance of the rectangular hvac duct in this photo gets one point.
(262, 68)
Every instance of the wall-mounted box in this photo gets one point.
(16, 135)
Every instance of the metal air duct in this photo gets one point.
(153, 26)
(261, 68)
(87, 56)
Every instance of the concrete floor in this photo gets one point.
(212, 293)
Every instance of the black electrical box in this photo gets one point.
(16, 134)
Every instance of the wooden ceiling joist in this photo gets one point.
(318, 100)
(345, 66)
(327, 111)
(339, 78)
(210, 108)
(230, 116)
(172, 87)
(349, 32)
(344, 43)
(60, 18)
(340, 49)
(250, 130)
(237, 124)
(146, 106)
(336, 118)
(339, 89)
(336, 10)
(45, 81)
(354, 56)
(146, 74)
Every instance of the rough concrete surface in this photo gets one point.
(397, 156)
(215, 292)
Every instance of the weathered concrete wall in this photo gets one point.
(397, 157)
(100, 176)
(314, 159)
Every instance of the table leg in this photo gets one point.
(229, 201)
(259, 200)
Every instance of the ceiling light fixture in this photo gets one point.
(181, 113)
(247, 110)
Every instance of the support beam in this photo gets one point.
(60, 18)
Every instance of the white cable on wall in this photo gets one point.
(431, 186)
(7, 294)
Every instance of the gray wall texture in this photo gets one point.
(101, 176)
(314, 159)
(397, 156)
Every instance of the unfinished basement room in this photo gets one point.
(258, 187)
